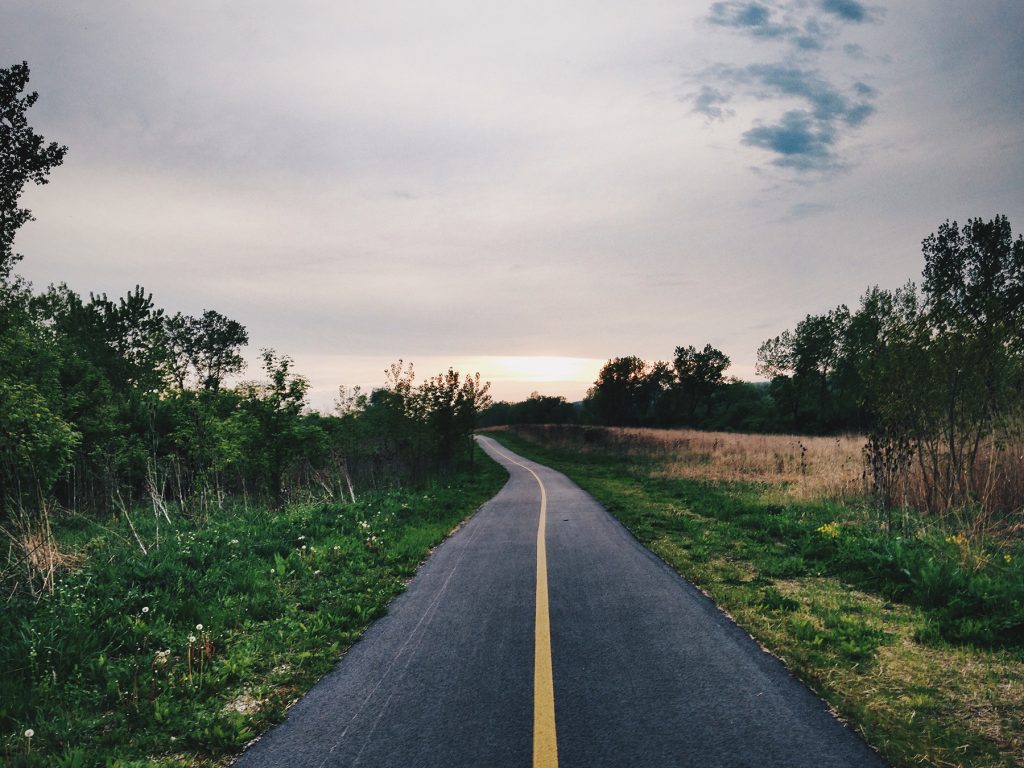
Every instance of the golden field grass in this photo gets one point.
(805, 468)
(802, 467)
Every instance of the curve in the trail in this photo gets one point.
(642, 669)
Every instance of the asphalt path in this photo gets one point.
(542, 633)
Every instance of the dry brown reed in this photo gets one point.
(33, 559)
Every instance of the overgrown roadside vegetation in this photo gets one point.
(179, 657)
(910, 629)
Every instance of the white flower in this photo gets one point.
(316, 573)
(199, 627)
(191, 638)
(233, 541)
(29, 733)
(302, 538)
(145, 609)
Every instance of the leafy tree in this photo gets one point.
(35, 442)
(208, 347)
(698, 374)
(449, 404)
(24, 158)
(626, 392)
(801, 364)
(974, 303)
(270, 421)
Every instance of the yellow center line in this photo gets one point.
(545, 743)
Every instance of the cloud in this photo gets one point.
(805, 138)
(751, 17)
(828, 103)
(793, 22)
(808, 135)
(799, 141)
(709, 102)
(847, 10)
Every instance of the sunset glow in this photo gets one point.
(539, 369)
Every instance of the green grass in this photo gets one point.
(914, 639)
(181, 656)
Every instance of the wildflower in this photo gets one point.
(199, 627)
(316, 573)
(145, 609)
(29, 733)
(191, 638)
(302, 538)
(161, 657)
(829, 530)
(233, 541)
(1008, 558)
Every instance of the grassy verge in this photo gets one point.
(905, 636)
(180, 656)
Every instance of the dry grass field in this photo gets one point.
(806, 468)
(802, 467)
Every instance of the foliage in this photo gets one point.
(698, 374)
(186, 653)
(24, 158)
(536, 409)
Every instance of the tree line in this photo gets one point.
(106, 402)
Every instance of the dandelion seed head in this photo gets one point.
(199, 627)
(29, 733)
(145, 609)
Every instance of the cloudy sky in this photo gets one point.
(523, 188)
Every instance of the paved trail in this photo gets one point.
(543, 634)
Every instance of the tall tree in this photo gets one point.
(208, 347)
(24, 158)
(613, 398)
(698, 374)
(801, 364)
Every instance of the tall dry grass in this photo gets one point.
(845, 468)
(805, 467)
(33, 558)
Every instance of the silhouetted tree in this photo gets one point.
(24, 158)
(698, 374)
